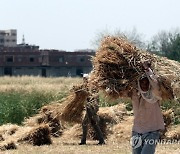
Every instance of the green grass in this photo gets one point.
(16, 106)
(22, 97)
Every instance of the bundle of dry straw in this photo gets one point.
(118, 64)
(7, 145)
(72, 112)
(1, 138)
(49, 115)
(8, 129)
(39, 135)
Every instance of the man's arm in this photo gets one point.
(153, 79)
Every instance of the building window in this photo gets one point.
(79, 72)
(31, 59)
(9, 59)
(19, 59)
(61, 59)
(1, 40)
(57, 68)
(82, 59)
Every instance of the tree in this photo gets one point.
(133, 36)
(166, 44)
(160, 43)
(174, 52)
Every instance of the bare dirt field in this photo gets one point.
(60, 146)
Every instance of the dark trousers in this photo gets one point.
(92, 118)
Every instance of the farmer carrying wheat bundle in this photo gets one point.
(148, 119)
(91, 113)
(83, 95)
(118, 70)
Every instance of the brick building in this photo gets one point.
(23, 59)
(29, 60)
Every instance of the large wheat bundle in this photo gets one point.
(173, 133)
(1, 137)
(39, 135)
(118, 64)
(7, 145)
(8, 129)
(72, 112)
(50, 115)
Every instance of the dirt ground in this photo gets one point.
(117, 139)
(60, 146)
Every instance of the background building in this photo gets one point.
(8, 38)
(24, 59)
(18, 61)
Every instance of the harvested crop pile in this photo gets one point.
(52, 118)
(1, 138)
(122, 131)
(108, 116)
(8, 129)
(49, 115)
(113, 114)
(74, 132)
(73, 111)
(118, 64)
(173, 133)
(7, 145)
(168, 118)
(39, 135)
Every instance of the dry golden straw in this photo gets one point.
(118, 64)
(39, 135)
(49, 115)
(7, 145)
(72, 112)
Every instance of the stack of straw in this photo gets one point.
(50, 115)
(118, 64)
(73, 111)
(39, 135)
(1, 138)
(7, 145)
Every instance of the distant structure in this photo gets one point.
(23, 40)
(8, 38)
(24, 59)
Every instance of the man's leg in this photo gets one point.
(93, 118)
(150, 141)
(136, 143)
(85, 129)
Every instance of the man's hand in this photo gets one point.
(146, 65)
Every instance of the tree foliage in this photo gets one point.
(175, 49)
(133, 36)
(166, 44)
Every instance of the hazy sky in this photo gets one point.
(73, 24)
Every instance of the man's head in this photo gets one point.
(85, 78)
(144, 83)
